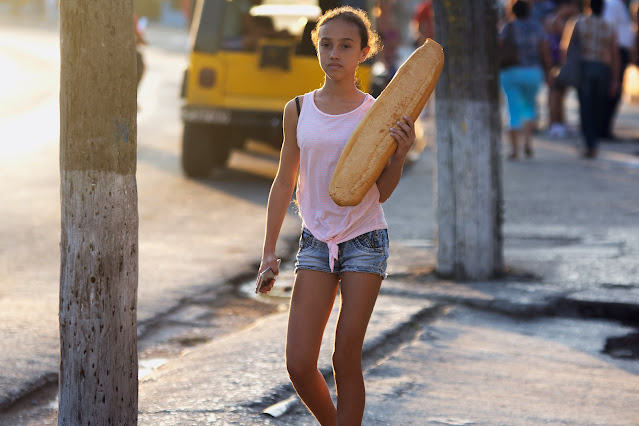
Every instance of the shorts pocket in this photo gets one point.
(307, 240)
(374, 241)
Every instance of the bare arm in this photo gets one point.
(566, 36)
(404, 134)
(281, 190)
(546, 59)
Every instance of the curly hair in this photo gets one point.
(358, 17)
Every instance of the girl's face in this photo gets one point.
(339, 49)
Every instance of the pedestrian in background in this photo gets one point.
(616, 13)
(599, 69)
(558, 128)
(390, 34)
(635, 14)
(539, 10)
(345, 247)
(522, 81)
(636, 6)
(542, 9)
(423, 22)
(140, 40)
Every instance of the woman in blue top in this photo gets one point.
(521, 82)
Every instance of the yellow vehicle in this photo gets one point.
(247, 59)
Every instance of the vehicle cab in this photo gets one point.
(247, 59)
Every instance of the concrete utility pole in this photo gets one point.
(99, 241)
(469, 188)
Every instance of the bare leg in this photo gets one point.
(556, 105)
(311, 304)
(514, 144)
(554, 100)
(358, 295)
(529, 127)
(560, 105)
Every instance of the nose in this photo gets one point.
(334, 53)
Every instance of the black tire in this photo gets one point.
(203, 147)
(220, 147)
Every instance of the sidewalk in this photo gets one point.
(528, 349)
(426, 364)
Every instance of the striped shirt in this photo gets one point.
(321, 138)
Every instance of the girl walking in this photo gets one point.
(343, 247)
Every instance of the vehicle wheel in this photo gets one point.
(196, 150)
(221, 147)
(203, 147)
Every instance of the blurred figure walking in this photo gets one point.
(390, 33)
(521, 82)
(636, 48)
(616, 14)
(422, 27)
(542, 9)
(558, 128)
(423, 23)
(599, 69)
(139, 41)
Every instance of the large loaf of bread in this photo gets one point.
(371, 145)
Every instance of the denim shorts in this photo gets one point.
(365, 253)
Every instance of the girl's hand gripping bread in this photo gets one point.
(371, 145)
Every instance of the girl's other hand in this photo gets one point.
(404, 134)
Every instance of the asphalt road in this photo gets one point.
(193, 234)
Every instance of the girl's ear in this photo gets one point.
(364, 54)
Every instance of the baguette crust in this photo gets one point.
(370, 146)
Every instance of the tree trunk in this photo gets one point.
(469, 189)
(99, 239)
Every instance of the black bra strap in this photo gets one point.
(297, 102)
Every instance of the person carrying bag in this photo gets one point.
(570, 72)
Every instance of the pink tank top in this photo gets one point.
(321, 138)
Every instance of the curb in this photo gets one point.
(544, 303)
(625, 313)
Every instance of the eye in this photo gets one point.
(346, 46)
